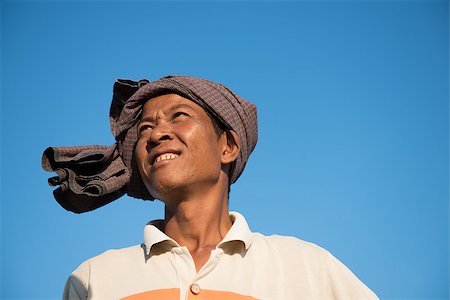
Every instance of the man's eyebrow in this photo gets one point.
(146, 119)
(181, 105)
(171, 109)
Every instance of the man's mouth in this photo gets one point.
(166, 156)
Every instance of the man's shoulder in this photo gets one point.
(105, 268)
(288, 244)
(117, 255)
(302, 259)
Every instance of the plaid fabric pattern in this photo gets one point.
(126, 107)
(88, 176)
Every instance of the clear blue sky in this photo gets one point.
(353, 109)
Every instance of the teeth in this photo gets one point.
(166, 156)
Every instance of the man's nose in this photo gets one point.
(160, 133)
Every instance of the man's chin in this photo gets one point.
(163, 188)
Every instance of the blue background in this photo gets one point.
(353, 111)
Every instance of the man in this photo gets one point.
(184, 140)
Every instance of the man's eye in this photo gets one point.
(180, 114)
(144, 128)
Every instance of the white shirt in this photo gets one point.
(245, 265)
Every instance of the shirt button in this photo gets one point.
(195, 289)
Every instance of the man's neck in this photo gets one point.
(200, 224)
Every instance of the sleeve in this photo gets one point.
(77, 284)
(343, 284)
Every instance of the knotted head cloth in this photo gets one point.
(92, 176)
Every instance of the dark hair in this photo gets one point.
(218, 125)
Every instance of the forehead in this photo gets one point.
(168, 102)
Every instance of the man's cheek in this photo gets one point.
(140, 155)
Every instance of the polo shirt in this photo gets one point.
(245, 265)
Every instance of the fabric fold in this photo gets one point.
(88, 176)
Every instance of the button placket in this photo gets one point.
(210, 264)
(205, 270)
(185, 269)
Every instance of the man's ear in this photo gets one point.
(230, 147)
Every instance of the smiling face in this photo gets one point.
(178, 150)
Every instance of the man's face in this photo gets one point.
(177, 149)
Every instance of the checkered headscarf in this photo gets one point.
(81, 170)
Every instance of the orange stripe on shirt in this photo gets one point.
(168, 294)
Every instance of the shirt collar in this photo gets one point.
(153, 235)
(239, 231)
